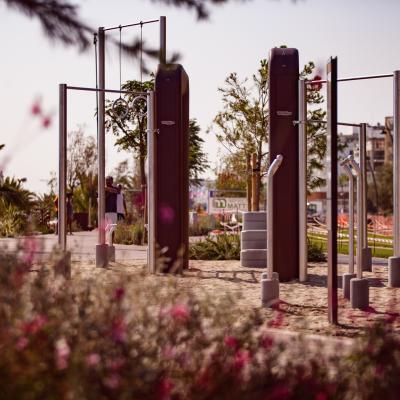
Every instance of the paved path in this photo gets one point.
(82, 246)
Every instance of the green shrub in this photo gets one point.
(220, 247)
(130, 233)
(315, 252)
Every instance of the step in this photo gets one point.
(254, 225)
(255, 258)
(254, 215)
(255, 234)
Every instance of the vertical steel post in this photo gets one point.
(363, 168)
(270, 214)
(62, 168)
(151, 184)
(332, 189)
(254, 183)
(163, 40)
(101, 248)
(396, 163)
(303, 181)
(248, 182)
(351, 217)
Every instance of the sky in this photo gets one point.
(363, 34)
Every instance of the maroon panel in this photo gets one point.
(283, 139)
(172, 198)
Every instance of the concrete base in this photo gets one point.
(101, 255)
(359, 293)
(275, 276)
(394, 272)
(269, 292)
(111, 253)
(346, 278)
(63, 266)
(366, 256)
(253, 258)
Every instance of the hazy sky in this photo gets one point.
(364, 34)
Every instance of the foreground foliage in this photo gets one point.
(91, 338)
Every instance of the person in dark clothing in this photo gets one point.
(70, 212)
(111, 203)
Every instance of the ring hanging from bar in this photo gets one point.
(134, 101)
(120, 108)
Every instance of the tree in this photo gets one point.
(242, 127)
(82, 168)
(131, 131)
(380, 190)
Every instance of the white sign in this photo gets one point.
(227, 204)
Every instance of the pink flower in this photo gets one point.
(231, 342)
(93, 359)
(112, 382)
(22, 343)
(115, 364)
(179, 312)
(36, 109)
(164, 389)
(46, 122)
(242, 358)
(266, 342)
(35, 325)
(30, 247)
(119, 294)
(118, 329)
(321, 396)
(62, 354)
(280, 393)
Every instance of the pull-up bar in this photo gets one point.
(353, 78)
(130, 25)
(317, 121)
(87, 89)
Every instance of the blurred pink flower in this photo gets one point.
(118, 329)
(280, 393)
(166, 213)
(29, 247)
(179, 312)
(35, 325)
(22, 343)
(266, 341)
(93, 359)
(164, 389)
(242, 358)
(231, 342)
(112, 382)
(36, 108)
(119, 294)
(62, 353)
(115, 364)
(321, 396)
(46, 122)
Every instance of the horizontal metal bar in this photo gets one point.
(354, 78)
(106, 90)
(135, 24)
(317, 121)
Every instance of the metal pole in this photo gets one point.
(62, 168)
(248, 182)
(163, 40)
(270, 214)
(396, 164)
(254, 181)
(358, 172)
(101, 141)
(303, 259)
(331, 200)
(363, 168)
(151, 184)
(349, 173)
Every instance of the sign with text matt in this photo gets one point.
(227, 204)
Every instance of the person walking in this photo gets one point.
(111, 204)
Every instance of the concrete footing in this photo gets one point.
(253, 258)
(63, 266)
(275, 276)
(366, 259)
(269, 292)
(101, 255)
(394, 272)
(346, 278)
(111, 253)
(359, 293)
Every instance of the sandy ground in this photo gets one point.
(302, 307)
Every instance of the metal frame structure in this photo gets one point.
(102, 247)
(332, 156)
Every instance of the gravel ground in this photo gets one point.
(302, 307)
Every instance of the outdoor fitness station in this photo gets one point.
(288, 141)
(167, 165)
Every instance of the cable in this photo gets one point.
(120, 60)
(141, 51)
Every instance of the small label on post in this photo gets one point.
(168, 123)
(283, 113)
